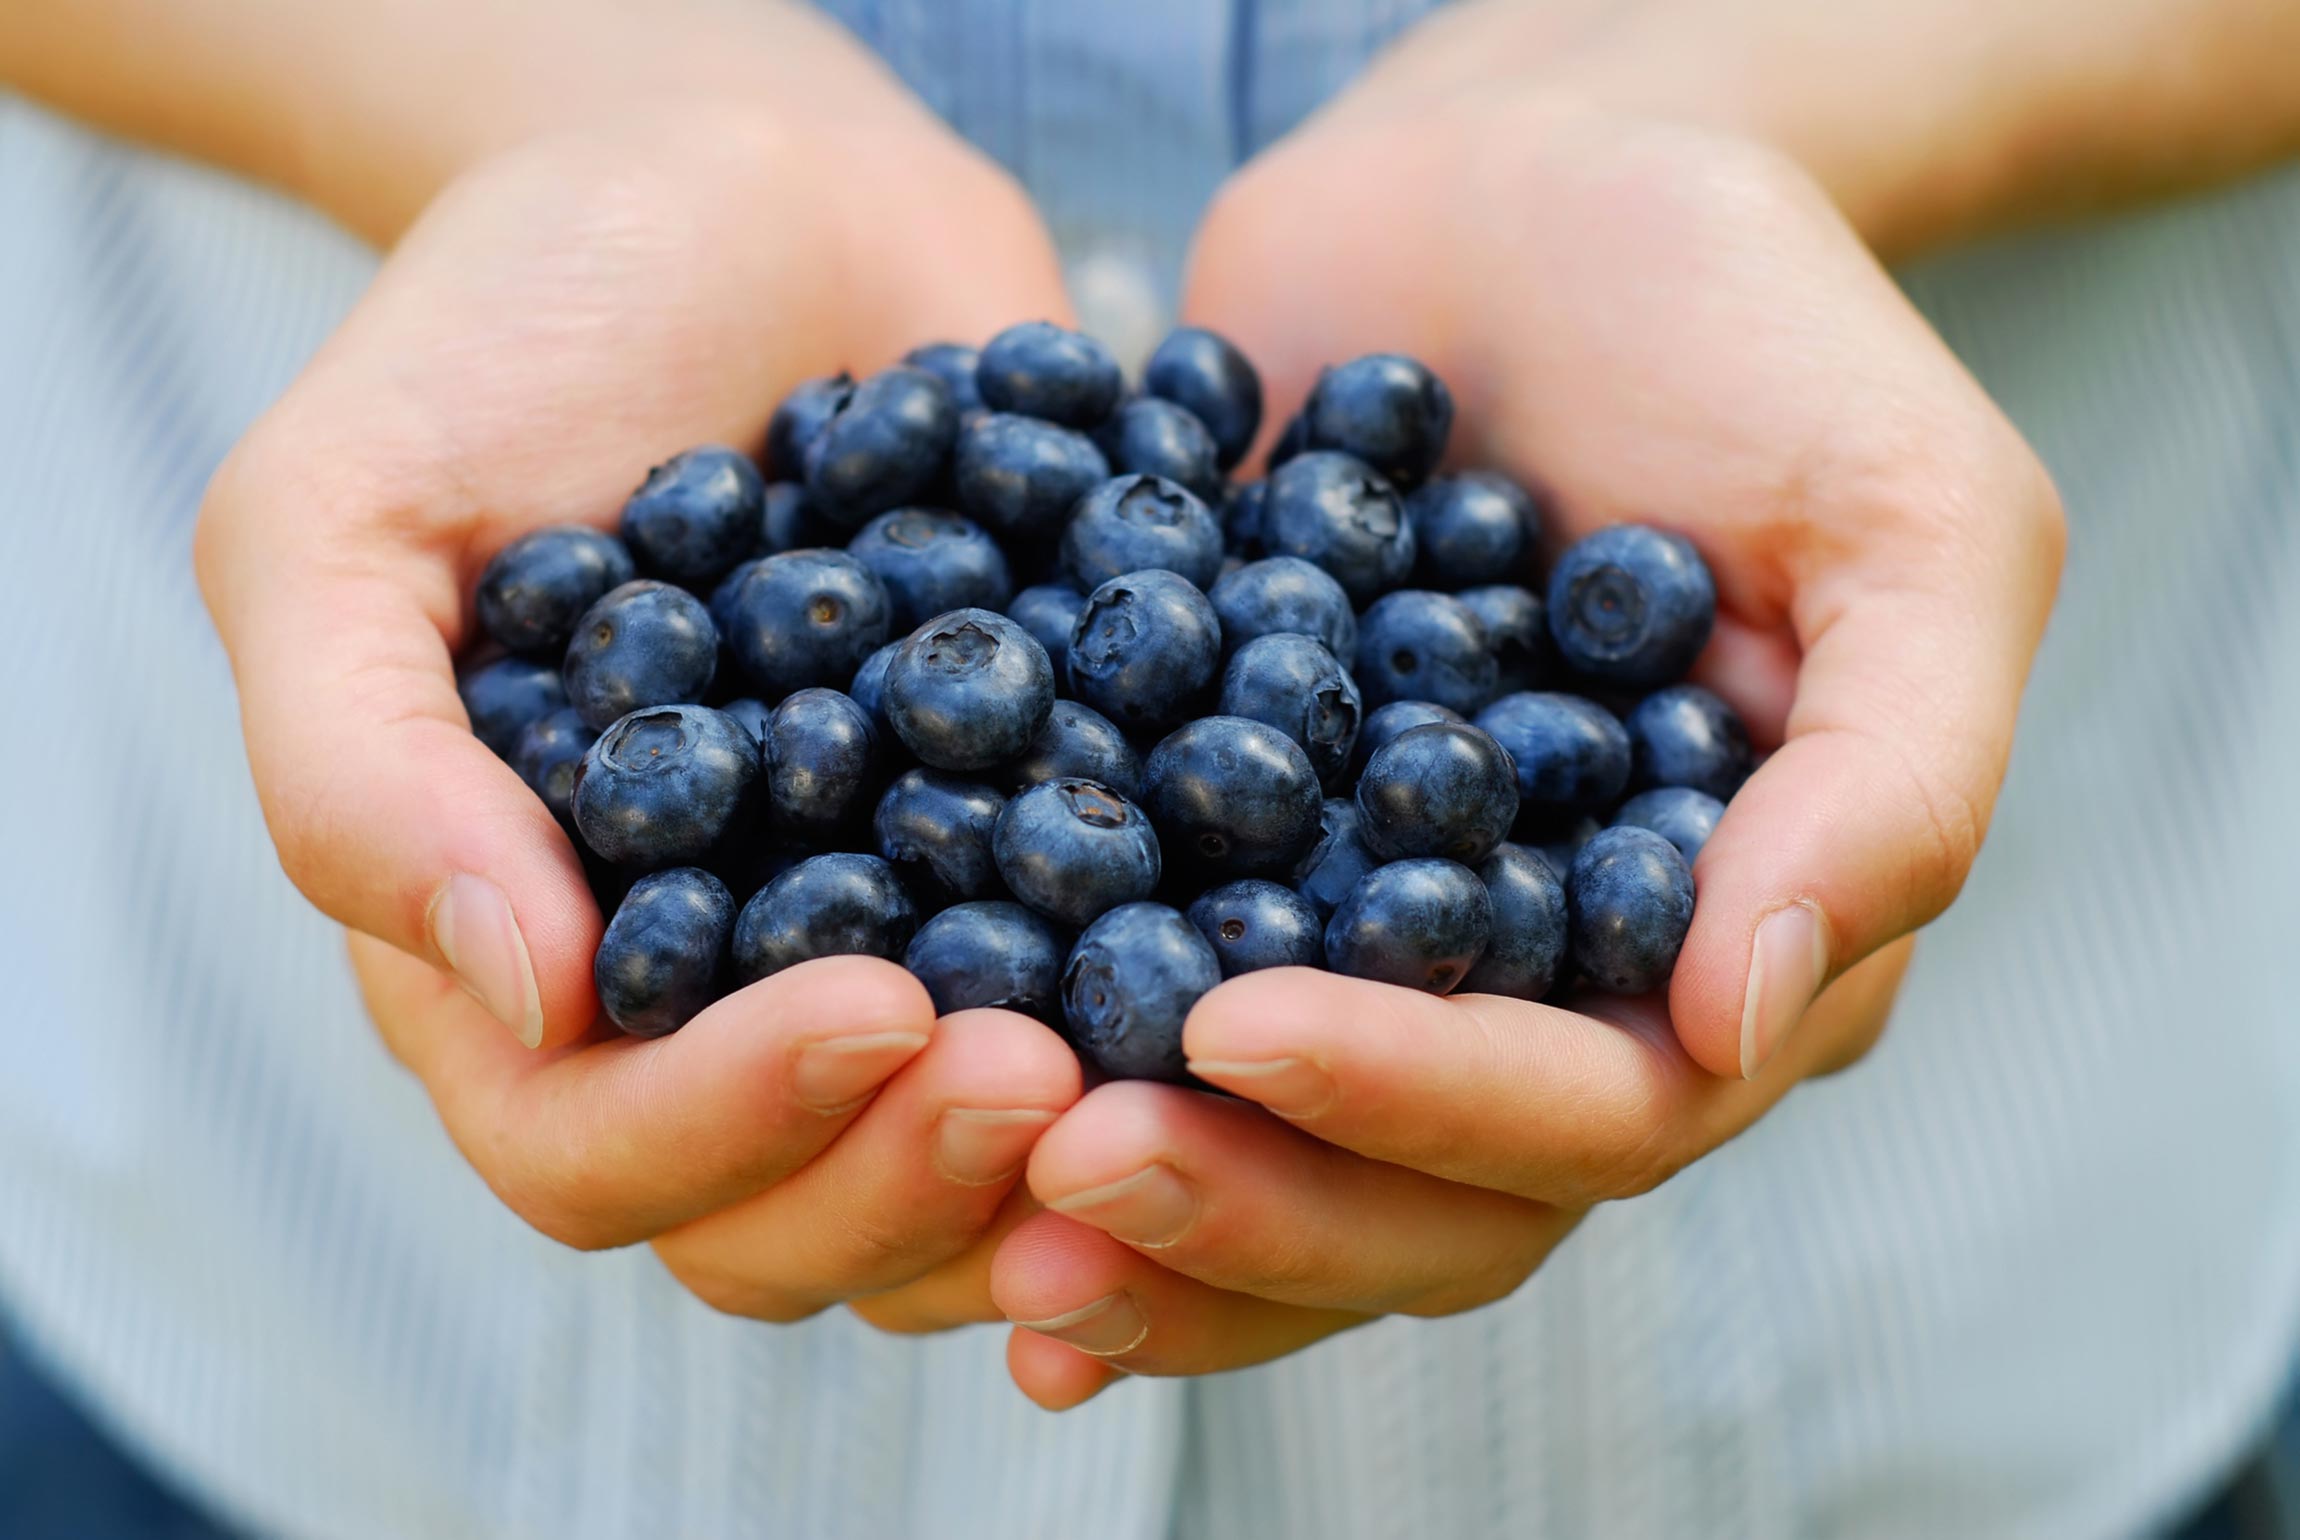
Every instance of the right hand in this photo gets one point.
(566, 313)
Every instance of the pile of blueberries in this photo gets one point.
(1004, 677)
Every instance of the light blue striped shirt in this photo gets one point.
(2031, 1270)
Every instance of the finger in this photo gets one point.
(609, 1143)
(1567, 1107)
(957, 1293)
(1073, 1284)
(1054, 1374)
(1224, 1193)
(910, 1186)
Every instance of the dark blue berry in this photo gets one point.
(753, 714)
(932, 562)
(643, 644)
(820, 755)
(1285, 593)
(1516, 631)
(664, 956)
(695, 516)
(1387, 410)
(1232, 796)
(1020, 476)
(1048, 612)
(1071, 849)
(1686, 736)
(1205, 373)
(968, 689)
(837, 905)
(1418, 645)
(1631, 900)
(1130, 983)
(1572, 754)
(800, 418)
(954, 364)
(1422, 924)
(1334, 510)
(666, 786)
(1679, 814)
(802, 618)
(1528, 946)
(1043, 370)
(1339, 858)
(1150, 437)
(1134, 523)
(1442, 789)
(788, 522)
(883, 448)
(505, 697)
(1145, 651)
(1385, 722)
(991, 955)
(868, 690)
(1631, 605)
(550, 751)
(1298, 687)
(1242, 517)
(540, 584)
(1472, 529)
(1079, 743)
(1252, 924)
(935, 830)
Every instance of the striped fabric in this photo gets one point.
(2032, 1270)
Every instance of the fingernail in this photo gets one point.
(1112, 1325)
(975, 1146)
(472, 926)
(1788, 963)
(832, 1076)
(1292, 1088)
(1152, 1208)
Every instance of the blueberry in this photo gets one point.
(550, 751)
(1043, 370)
(1572, 754)
(1071, 849)
(1145, 651)
(1631, 605)
(504, 697)
(968, 689)
(1295, 685)
(1442, 789)
(1686, 736)
(1565, 843)
(1242, 517)
(1285, 593)
(752, 715)
(1387, 410)
(1079, 743)
(643, 644)
(788, 521)
(664, 955)
(1336, 511)
(883, 448)
(1472, 529)
(695, 516)
(1150, 437)
(821, 761)
(800, 418)
(1631, 900)
(1020, 476)
(1240, 797)
(1129, 986)
(1338, 859)
(540, 584)
(954, 364)
(993, 955)
(1679, 814)
(1205, 373)
(1516, 630)
(1418, 645)
(935, 830)
(1385, 722)
(837, 905)
(665, 786)
(1135, 523)
(1252, 924)
(1048, 612)
(1528, 947)
(802, 618)
(932, 562)
(1421, 923)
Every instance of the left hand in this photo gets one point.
(1643, 321)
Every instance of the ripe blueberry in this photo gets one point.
(1072, 849)
(664, 955)
(1284, 593)
(1078, 743)
(1048, 611)
(882, 448)
(1631, 605)
(1334, 510)
(1528, 946)
(666, 786)
(968, 689)
(820, 755)
(935, 830)
(1442, 789)
(643, 644)
(1679, 814)
(930, 562)
(1387, 410)
(1631, 901)
(1385, 722)
(1337, 860)
(802, 618)
(1685, 736)
(1204, 372)
(1020, 477)
(1253, 924)
(1233, 796)
(1129, 986)
(989, 954)
(1295, 685)
(1471, 529)
(540, 584)
(800, 418)
(1418, 645)
(1516, 630)
(504, 697)
(837, 905)
(1043, 370)
(1145, 651)
(549, 753)
(695, 516)
(1421, 923)
(1572, 755)
(1132, 523)
(1150, 437)
(953, 363)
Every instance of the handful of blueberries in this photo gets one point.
(1005, 678)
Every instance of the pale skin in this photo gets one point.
(1636, 239)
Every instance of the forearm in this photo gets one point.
(366, 109)
(1927, 120)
